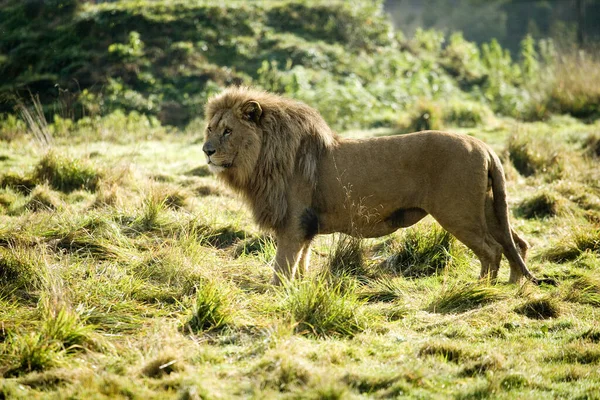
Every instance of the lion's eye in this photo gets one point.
(227, 132)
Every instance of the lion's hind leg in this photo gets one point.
(472, 231)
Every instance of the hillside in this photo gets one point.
(164, 58)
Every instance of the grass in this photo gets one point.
(323, 309)
(464, 297)
(144, 286)
(542, 308)
(542, 205)
(422, 251)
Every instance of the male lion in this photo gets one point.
(301, 179)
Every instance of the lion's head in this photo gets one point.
(232, 140)
(257, 142)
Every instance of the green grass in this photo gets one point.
(150, 286)
(323, 309)
(422, 251)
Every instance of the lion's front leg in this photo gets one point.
(289, 251)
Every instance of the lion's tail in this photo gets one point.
(496, 174)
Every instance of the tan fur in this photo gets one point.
(301, 179)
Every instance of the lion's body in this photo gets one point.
(301, 180)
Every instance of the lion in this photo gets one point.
(300, 179)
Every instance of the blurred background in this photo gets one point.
(403, 64)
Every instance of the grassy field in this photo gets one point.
(127, 271)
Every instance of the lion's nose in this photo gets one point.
(208, 149)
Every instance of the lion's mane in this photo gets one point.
(294, 137)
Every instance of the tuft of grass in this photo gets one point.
(466, 114)
(542, 205)
(577, 353)
(581, 240)
(43, 198)
(383, 290)
(67, 174)
(585, 290)
(282, 373)
(65, 327)
(211, 310)
(485, 363)
(577, 89)
(463, 297)
(20, 269)
(218, 237)
(590, 335)
(371, 384)
(422, 252)
(347, 258)
(323, 309)
(171, 196)
(448, 351)
(33, 352)
(542, 308)
(22, 183)
(592, 145)
(264, 245)
(161, 366)
(531, 156)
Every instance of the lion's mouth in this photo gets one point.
(222, 166)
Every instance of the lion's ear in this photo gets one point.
(252, 111)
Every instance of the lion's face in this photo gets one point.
(232, 140)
